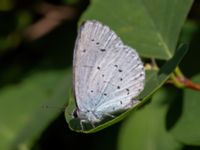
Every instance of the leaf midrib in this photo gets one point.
(166, 48)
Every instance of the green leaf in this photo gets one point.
(145, 129)
(186, 129)
(157, 79)
(22, 113)
(154, 80)
(151, 27)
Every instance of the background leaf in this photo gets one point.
(145, 129)
(24, 105)
(186, 129)
(151, 27)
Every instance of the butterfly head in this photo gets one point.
(87, 116)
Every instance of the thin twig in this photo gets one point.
(52, 17)
(186, 83)
(189, 84)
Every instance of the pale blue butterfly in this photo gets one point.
(108, 75)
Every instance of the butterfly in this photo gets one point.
(107, 74)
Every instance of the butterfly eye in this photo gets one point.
(75, 115)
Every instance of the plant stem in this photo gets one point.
(153, 61)
(175, 81)
(179, 73)
(189, 84)
(180, 81)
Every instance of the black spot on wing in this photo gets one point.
(102, 50)
(116, 66)
(128, 91)
(120, 70)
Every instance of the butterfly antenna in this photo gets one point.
(54, 107)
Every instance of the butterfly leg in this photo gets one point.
(93, 126)
(81, 123)
(109, 115)
(84, 121)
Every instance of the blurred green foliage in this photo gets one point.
(36, 52)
